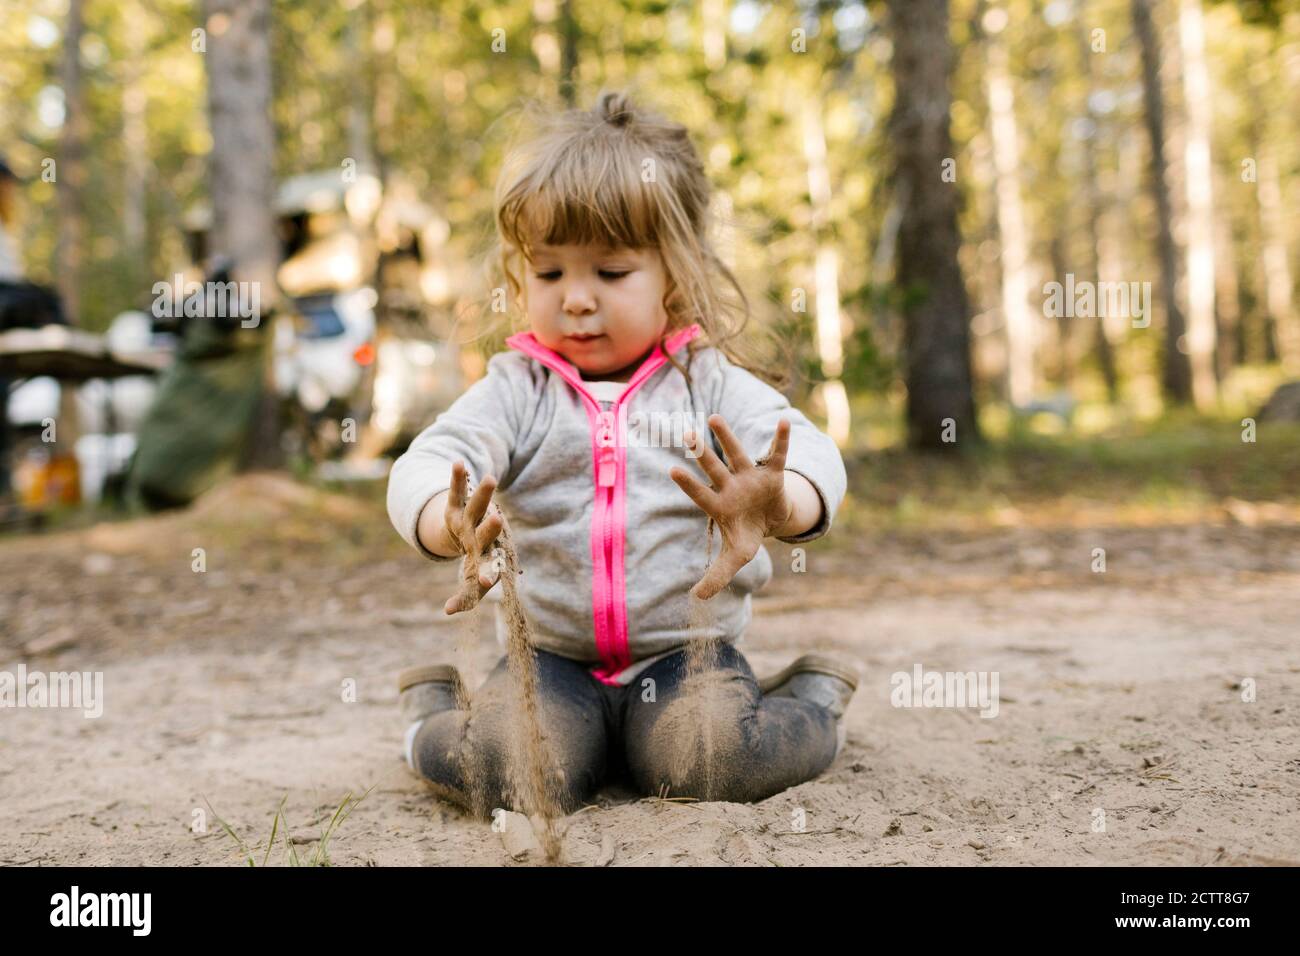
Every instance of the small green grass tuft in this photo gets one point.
(280, 827)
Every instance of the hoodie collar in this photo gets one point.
(527, 343)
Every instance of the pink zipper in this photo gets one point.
(609, 515)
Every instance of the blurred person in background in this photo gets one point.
(23, 304)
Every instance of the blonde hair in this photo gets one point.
(624, 176)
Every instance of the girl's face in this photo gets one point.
(601, 308)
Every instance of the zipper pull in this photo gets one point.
(605, 426)
(605, 442)
(608, 467)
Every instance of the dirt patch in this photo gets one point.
(1120, 691)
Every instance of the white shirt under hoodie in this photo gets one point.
(609, 545)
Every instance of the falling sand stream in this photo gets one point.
(531, 762)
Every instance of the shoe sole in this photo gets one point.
(426, 674)
(811, 663)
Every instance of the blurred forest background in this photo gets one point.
(899, 182)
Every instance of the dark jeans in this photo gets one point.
(711, 735)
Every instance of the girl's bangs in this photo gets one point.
(613, 210)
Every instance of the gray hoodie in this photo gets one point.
(609, 545)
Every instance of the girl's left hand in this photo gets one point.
(747, 502)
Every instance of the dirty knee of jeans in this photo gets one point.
(697, 745)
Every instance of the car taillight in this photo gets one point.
(364, 354)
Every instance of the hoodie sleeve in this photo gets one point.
(752, 408)
(481, 428)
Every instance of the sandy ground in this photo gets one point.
(1120, 691)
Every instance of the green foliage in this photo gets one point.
(1265, 13)
(418, 85)
(1177, 465)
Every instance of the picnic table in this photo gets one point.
(70, 356)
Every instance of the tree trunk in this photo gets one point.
(135, 146)
(71, 184)
(242, 179)
(1228, 304)
(1117, 246)
(361, 100)
(1095, 210)
(1176, 377)
(884, 323)
(1277, 271)
(1199, 180)
(1019, 319)
(936, 314)
(830, 336)
(383, 37)
(1065, 324)
(71, 170)
(569, 34)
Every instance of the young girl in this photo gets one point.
(603, 242)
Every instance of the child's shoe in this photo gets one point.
(421, 692)
(820, 680)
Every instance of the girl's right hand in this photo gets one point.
(471, 527)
